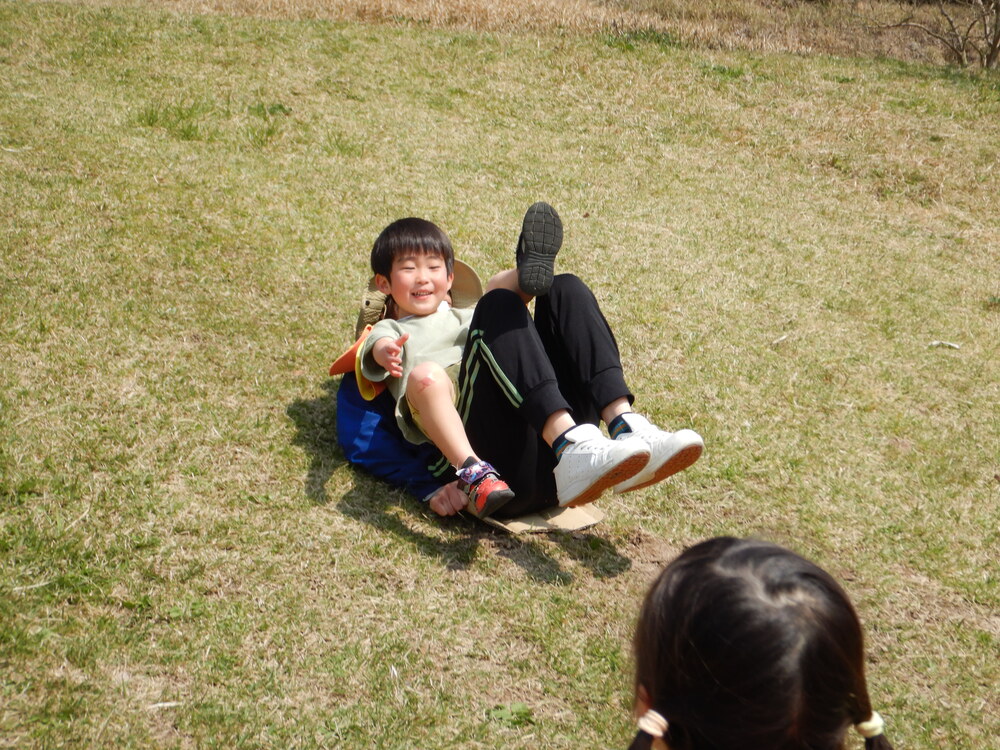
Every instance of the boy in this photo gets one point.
(486, 379)
(414, 263)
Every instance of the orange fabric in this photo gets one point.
(350, 362)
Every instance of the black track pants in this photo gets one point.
(517, 371)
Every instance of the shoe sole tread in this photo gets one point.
(494, 502)
(616, 474)
(675, 464)
(542, 236)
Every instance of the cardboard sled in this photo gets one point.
(553, 519)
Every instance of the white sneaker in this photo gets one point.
(671, 452)
(592, 463)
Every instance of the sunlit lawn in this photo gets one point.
(799, 256)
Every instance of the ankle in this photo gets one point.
(561, 443)
(474, 471)
(618, 426)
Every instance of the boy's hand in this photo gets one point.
(448, 500)
(389, 353)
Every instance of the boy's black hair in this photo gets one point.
(410, 235)
(743, 644)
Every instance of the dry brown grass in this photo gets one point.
(840, 27)
(579, 16)
(844, 28)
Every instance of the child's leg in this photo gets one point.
(498, 403)
(508, 280)
(585, 356)
(511, 405)
(583, 350)
(431, 394)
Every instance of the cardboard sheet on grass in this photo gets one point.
(555, 519)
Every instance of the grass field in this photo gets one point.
(847, 28)
(799, 254)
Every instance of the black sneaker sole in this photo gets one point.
(541, 238)
(494, 502)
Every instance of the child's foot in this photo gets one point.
(671, 452)
(486, 490)
(591, 463)
(540, 240)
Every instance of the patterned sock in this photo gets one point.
(618, 426)
(560, 444)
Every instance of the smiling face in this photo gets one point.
(417, 283)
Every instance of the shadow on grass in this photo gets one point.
(386, 509)
(316, 423)
(595, 553)
(530, 552)
(457, 540)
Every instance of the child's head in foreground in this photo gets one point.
(744, 645)
(413, 262)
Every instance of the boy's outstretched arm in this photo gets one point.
(389, 354)
(448, 500)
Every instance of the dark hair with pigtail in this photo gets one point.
(877, 743)
(642, 741)
(743, 644)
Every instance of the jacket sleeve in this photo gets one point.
(368, 367)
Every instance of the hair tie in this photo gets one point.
(871, 728)
(652, 724)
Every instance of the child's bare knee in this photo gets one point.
(426, 375)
